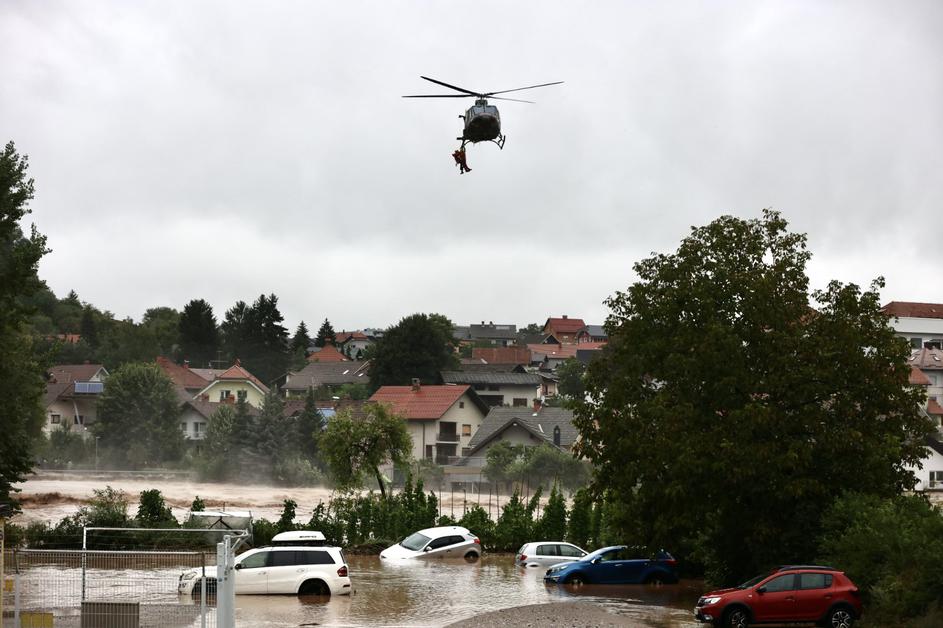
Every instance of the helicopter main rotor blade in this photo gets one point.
(439, 96)
(458, 89)
(505, 91)
(512, 99)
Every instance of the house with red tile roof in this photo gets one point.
(441, 420)
(71, 397)
(502, 355)
(327, 353)
(564, 329)
(352, 343)
(921, 324)
(233, 384)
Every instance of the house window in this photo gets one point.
(916, 343)
(936, 479)
(223, 395)
(242, 394)
(466, 430)
(461, 404)
(556, 436)
(55, 418)
(428, 452)
(199, 428)
(79, 419)
(183, 427)
(520, 402)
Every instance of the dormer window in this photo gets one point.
(556, 436)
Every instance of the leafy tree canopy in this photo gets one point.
(21, 365)
(354, 447)
(138, 415)
(570, 379)
(727, 414)
(419, 346)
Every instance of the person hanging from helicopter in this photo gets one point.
(459, 156)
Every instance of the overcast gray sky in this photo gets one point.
(225, 149)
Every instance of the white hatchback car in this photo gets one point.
(444, 542)
(296, 564)
(547, 554)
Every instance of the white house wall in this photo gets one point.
(924, 328)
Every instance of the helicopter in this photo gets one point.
(482, 121)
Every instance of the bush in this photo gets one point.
(153, 512)
(892, 549)
(478, 522)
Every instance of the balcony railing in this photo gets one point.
(448, 438)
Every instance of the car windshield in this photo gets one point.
(415, 542)
(752, 581)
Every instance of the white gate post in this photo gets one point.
(225, 585)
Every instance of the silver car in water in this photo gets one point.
(547, 554)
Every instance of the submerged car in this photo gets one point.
(297, 563)
(443, 542)
(793, 593)
(618, 564)
(547, 554)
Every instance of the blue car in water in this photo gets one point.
(618, 564)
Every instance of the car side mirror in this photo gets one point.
(595, 560)
(426, 548)
(761, 590)
(237, 566)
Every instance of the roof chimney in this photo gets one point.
(416, 385)
(564, 316)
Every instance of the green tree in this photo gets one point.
(198, 333)
(354, 447)
(892, 548)
(419, 346)
(570, 379)
(255, 335)
(311, 425)
(153, 512)
(299, 346)
(138, 416)
(552, 523)
(21, 365)
(499, 463)
(579, 526)
(163, 323)
(325, 335)
(726, 409)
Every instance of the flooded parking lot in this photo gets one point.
(438, 592)
(407, 593)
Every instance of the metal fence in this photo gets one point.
(104, 589)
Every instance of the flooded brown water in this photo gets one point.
(439, 592)
(50, 496)
(412, 593)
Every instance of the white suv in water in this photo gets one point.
(296, 564)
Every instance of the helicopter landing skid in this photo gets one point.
(499, 141)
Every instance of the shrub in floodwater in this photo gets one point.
(552, 524)
(153, 512)
(578, 528)
(478, 522)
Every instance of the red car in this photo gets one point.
(794, 593)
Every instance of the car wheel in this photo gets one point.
(471, 557)
(655, 580)
(313, 587)
(576, 579)
(840, 618)
(737, 618)
(210, 587)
